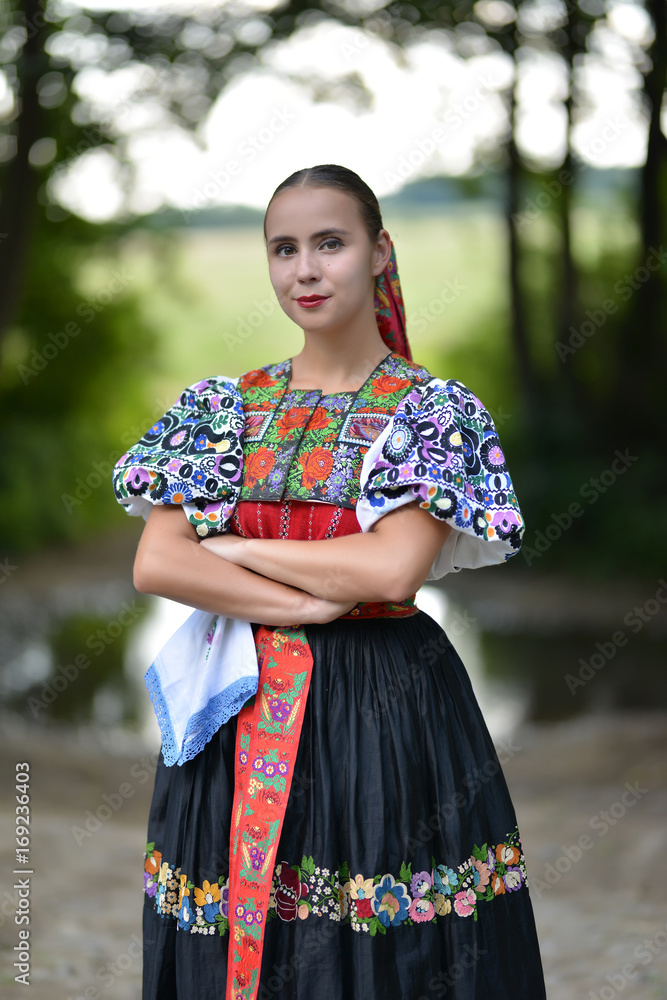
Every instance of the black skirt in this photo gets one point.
(399, 868)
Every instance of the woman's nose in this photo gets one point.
(307, 266)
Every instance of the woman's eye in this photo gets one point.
(331, 244)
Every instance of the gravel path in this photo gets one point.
(601, 916)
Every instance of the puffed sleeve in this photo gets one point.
(442, 448)
(192, 456)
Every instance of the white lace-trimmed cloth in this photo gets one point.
(202, 676)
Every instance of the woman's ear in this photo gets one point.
(382, 252)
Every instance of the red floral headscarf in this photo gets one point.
(389, 309)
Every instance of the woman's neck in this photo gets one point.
(323, 366)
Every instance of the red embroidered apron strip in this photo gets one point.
(267, 740)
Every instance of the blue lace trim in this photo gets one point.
(204, 724)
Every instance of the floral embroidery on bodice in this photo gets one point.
(305, 445)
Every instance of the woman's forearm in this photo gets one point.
(357, 567)
(185, 571)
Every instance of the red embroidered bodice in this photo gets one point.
(296, 519)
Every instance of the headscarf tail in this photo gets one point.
(390, 310)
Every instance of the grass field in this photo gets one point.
(210, 302)
(215, 313)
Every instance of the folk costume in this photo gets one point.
(330, 817)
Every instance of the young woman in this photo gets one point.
(335, 824)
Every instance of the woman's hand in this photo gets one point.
(323, 611)
(318, 611)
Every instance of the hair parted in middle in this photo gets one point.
(334, 176)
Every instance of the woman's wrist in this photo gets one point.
(319, 610)
(309, 608)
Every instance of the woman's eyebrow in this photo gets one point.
(315, 236)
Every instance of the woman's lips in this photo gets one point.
(309, 302)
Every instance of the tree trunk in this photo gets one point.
(577, 408)
(642, 358)
(21, 180)
(519, 333)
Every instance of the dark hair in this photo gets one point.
(332, 175)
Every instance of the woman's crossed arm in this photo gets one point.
(171, 562)
(388, 563)
(286, 581)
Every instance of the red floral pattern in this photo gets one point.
(267, 739)
(317, 442)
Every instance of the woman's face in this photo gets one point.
(321, 262)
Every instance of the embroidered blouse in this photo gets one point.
(403, 435)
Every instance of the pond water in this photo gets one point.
(84, 664)
(503, 702)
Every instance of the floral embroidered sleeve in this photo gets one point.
(192, 456)
(442, 448)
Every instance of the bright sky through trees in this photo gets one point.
(436, 114)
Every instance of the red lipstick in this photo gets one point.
(309, 301)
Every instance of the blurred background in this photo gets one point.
(519, 152)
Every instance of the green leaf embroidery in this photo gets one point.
(298, 682)
(308, 864)
(479, 853)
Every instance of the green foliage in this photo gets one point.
(587, 414)
(73, 374)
